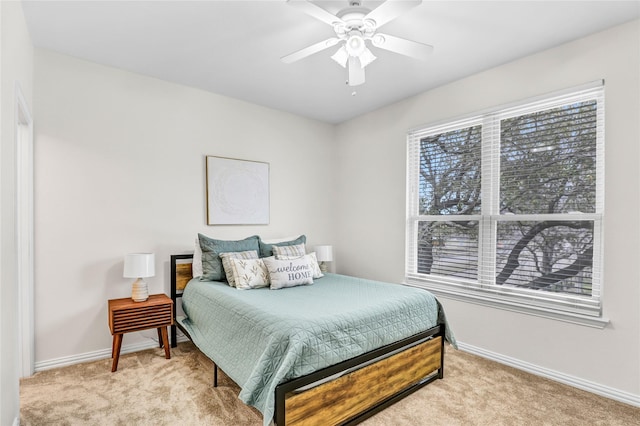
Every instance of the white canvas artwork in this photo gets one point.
(237, 192)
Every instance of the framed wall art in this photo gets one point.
(237, 192)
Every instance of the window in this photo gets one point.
(505, 208)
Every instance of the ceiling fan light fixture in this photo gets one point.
(355, 45)
(366, 58)
(341, 56)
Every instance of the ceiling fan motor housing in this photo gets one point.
(353, 19)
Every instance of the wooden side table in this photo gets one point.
(126, 316)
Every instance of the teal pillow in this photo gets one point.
(266, 249)
(212, 269)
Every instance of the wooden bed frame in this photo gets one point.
(349, 392)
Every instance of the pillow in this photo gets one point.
(313, 261)
(266, 248)
(288, 273)
(296, 250)
(212, 269)
(249, 273)
(196, 265)
(277, 240)
(226, 262)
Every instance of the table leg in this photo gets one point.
(165, 342)
(117, 343)
(160, 342)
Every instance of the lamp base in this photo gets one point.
(139, 291)
(324, 268)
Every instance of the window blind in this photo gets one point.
(507, 205)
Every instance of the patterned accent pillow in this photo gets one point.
(266, 249)
(212, 269)
(227, 266)
(249, 273)
(296, 250)
(288, 273)
(313, 261)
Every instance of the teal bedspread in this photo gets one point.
(263, 337)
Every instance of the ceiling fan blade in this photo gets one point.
(390, 10)
(310, 50)
(402, 46)
(315, 11)
(356, 72)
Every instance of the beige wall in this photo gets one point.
(16, 59)
(119, 162)
(370, 233)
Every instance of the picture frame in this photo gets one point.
(237, 191)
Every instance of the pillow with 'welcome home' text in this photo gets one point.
(288, 273)
(311, 258)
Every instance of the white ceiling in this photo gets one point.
(233, 47)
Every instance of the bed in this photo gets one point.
(294, 353)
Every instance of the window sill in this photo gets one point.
(487, 300)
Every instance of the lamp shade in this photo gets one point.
(324, 253)
(139, 265)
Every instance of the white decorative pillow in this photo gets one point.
(226, 262)
(196, 265)
(313, 261)
(249, 273)
(288, 273)
(296, 250)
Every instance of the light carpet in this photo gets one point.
(147, 389)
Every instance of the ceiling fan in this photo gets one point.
(354, 26)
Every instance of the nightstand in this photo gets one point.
(126, 316)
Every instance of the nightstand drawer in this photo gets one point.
(126, 315)
(134, 319)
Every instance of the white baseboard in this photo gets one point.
(576, 382)
(97, 355)
(16, 421)
(598, 389)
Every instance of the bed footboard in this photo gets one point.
(369, 384)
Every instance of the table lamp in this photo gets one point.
(324, 254)
(140, 266)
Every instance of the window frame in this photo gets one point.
(561, 306)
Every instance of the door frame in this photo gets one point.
(24, 232)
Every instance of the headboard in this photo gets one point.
(181, 273)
